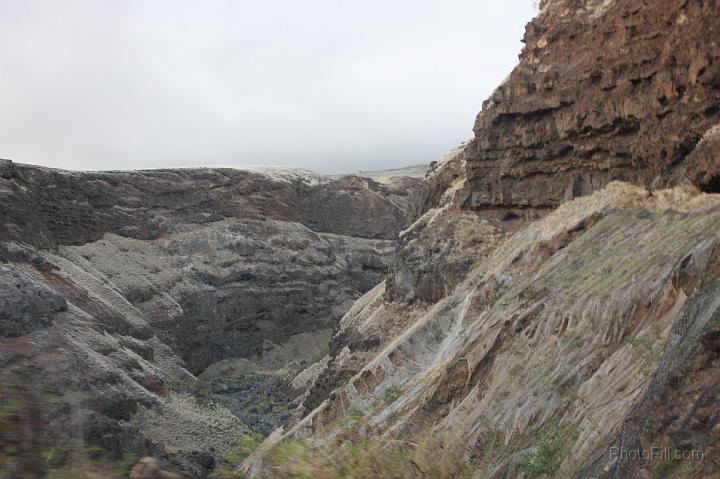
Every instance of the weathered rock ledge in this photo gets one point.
(605, 90)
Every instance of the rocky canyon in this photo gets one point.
(543, 302)
(169, 312)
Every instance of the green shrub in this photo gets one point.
(356, 415)
(545, 455)
(366, 458)
(438, 333)
(391, 394)
(228, 466)
(649, 349)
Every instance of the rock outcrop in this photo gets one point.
(118, 288)
(25, 305)
(539, 313)
(47, 208)
(605, 90)
(576, 328)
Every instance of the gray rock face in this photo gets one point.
(25, 305)
(601, 318)
(555, 303)
(116, 288)
(436, 251)
(219, 290)
(46, 208)
(216, 259)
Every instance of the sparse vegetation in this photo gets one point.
(391, 394)
(517, 370)
(545, 456)
(198, 388)
(438, 333)
(594, 425)
(713, 455)
(531, 293)
(574, 342)
(24, 453)
(356, 415)
(648, 349)
(563, 384)
(663, 469)
(365, 458)
(228, 467)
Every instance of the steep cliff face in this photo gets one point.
(605, 90)
(566, 339)
(539, 313)
(118, 288)
(47, 208)
(215, 260)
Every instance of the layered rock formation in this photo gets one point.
(117, 288)
(47, 208)
(605, 90)
(538, 313)
(556, 332)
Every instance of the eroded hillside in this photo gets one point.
(167, 313)
(557, 296)
(553, 296)
(562, 330)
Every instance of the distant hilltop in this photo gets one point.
(383, 176)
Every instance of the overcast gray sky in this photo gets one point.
(330, 85)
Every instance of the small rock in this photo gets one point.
(151, 468)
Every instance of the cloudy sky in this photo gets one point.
(330, 85)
